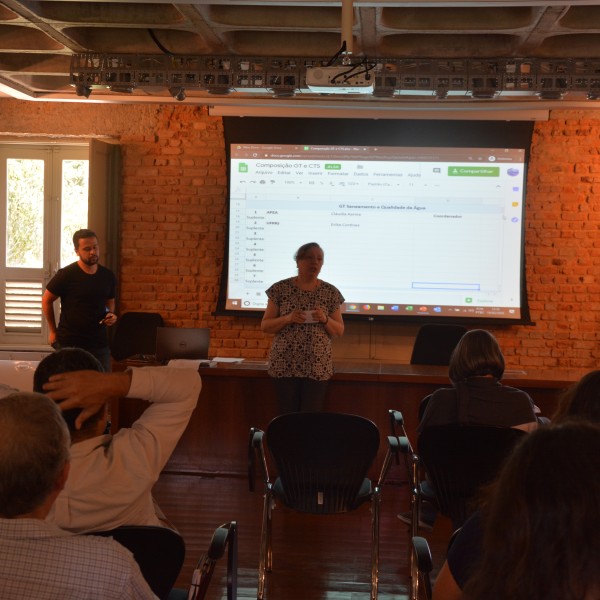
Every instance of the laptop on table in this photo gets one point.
(182, 342)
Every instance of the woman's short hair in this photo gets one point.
(34, 448)
(541, 534)
(476, 354)
(303, 250)
(581, 400)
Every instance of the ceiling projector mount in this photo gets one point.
(347, 77)
(377, 78)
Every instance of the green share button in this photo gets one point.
(457, 171)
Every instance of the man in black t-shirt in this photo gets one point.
(87, 293)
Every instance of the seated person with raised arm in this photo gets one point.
(37, 559)
(112, 475)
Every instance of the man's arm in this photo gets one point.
(48, 300)
(172, 392)
(88, 390)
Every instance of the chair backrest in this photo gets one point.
(224, 537)
(434, 344)
(460, 459)
(322, 459)
(135, 334)
(159, 552)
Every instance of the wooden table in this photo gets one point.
(236, 397)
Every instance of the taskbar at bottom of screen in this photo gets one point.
(495, 312)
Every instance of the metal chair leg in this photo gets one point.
(415, 501)
(375, 506)
(265, 554)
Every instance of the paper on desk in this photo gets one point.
(185, 363)
(220, 359)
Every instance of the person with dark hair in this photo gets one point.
(87, 292)
(581, 400)
(66, 361)
(541, 538)
(39, 560)
(304, 313)
(476, 398)
(112, 475)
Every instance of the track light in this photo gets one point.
(219, 91)
(83, 90)
(395, 79)
(284, 93)
(178, 93)
(483, 94)
(122, 89)
(551, 95)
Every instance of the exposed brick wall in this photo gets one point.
(173, 226)
(563, 246)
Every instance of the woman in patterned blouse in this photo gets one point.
(304, 313)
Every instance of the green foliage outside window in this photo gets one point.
(25, 213)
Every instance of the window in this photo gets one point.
(44, 196)
(48, 191)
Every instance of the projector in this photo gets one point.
(347, 79)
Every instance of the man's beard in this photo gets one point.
(90, 261)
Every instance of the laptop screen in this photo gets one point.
(181, 342)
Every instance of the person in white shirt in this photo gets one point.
(38, 559)
(112, 475)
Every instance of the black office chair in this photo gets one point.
(134, 335)
(434, 344)
(159, 552)
(225, 537)
(322, 461)
(458, 461)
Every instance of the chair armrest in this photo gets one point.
(393, 450)
(223, 537)
(404, 445)
(220, 538)
(396, 421)
(422, 554)
(226, 536)
(256, 449)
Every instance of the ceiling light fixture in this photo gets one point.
(83, 90)
(122, 89)
(219, 91)
(178, 93)
(551, 95)
(283, 93)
